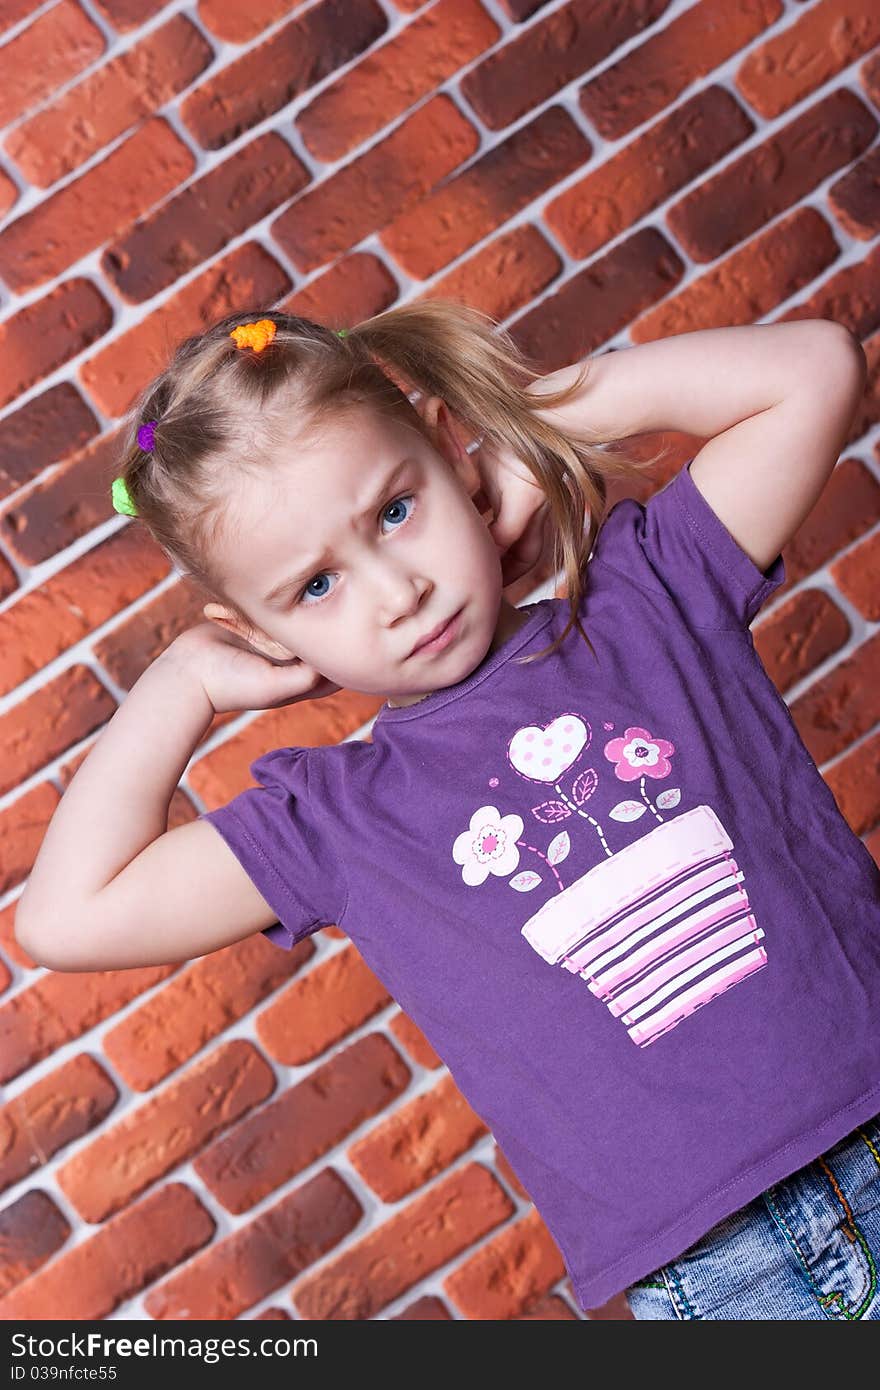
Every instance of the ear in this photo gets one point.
(445, 437)
(251, 636)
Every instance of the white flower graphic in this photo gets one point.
(488, 846)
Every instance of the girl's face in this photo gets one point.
(350, 552)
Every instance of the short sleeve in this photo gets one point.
(675, 542)
(279, 834)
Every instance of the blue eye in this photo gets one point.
(309, 592)
(398, 505)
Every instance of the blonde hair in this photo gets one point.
(219, 408)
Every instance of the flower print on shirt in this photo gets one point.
(658, 927)
(488, 846)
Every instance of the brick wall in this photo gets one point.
(261, 1133)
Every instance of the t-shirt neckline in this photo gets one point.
(539, 617)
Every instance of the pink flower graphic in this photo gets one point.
(637, 754)
(488, 846)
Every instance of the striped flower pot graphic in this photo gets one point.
(658, 929)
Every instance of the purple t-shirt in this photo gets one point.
(616, 895)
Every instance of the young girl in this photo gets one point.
(585, 848)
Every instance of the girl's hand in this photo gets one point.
(519, 507)
(235, 677)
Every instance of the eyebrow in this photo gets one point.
(285, 585)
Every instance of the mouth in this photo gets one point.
(440, 636)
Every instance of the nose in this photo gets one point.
(398, 591)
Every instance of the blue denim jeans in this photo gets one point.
(808, 1247)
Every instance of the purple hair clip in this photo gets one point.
(146, 434)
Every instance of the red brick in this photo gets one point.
(63, 1106)
(305, 1121)
(851, 297)
(508, 1274)
(31, 1231)
(414, 1041)
(51, 515)
(552, 1308)
(769, 178)
(56, 716)
(430, 1230)
(428, 1309)
(166, 1130)
(870, 78)
(391, 78)
(393, 175)
(66, 226)
(224, 772)
(74, 601)
(7, 937)
(179, 1020)
(615, 1310)
(269, 76)
(517, 9)
(203, 217)
(8, 193)
(118, 373)
(137, 640)
(63, 1005)
(529, 69)
(848, 507)
(128, 14)
(470, 205)
(22, 827)
(644, 173)
(47, 333)
(45, 430)
(90, 1280)
(868, 410)
(841, 706)
(854, 781)
(855, 197)
(108, 102)
(5, 976)
(598, 301)
(354, 288)
(417, 1142)
(272, 1315)
(857, 575)
(329, 1002)
(807, 54)
(652, 76)
(798, 636)
(8, 581)
(749, 282)
(14, 11)
(241, 23)
(44, 56)
(503, 276)
(258, 1258)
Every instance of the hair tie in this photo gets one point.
(147, 434)
(122, 498)
(343, 332)
(254, 335)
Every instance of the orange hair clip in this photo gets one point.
(254, 335)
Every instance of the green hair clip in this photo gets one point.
(121, 499)
(342, 332)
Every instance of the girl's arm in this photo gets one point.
(775, 401)
(112, 887)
